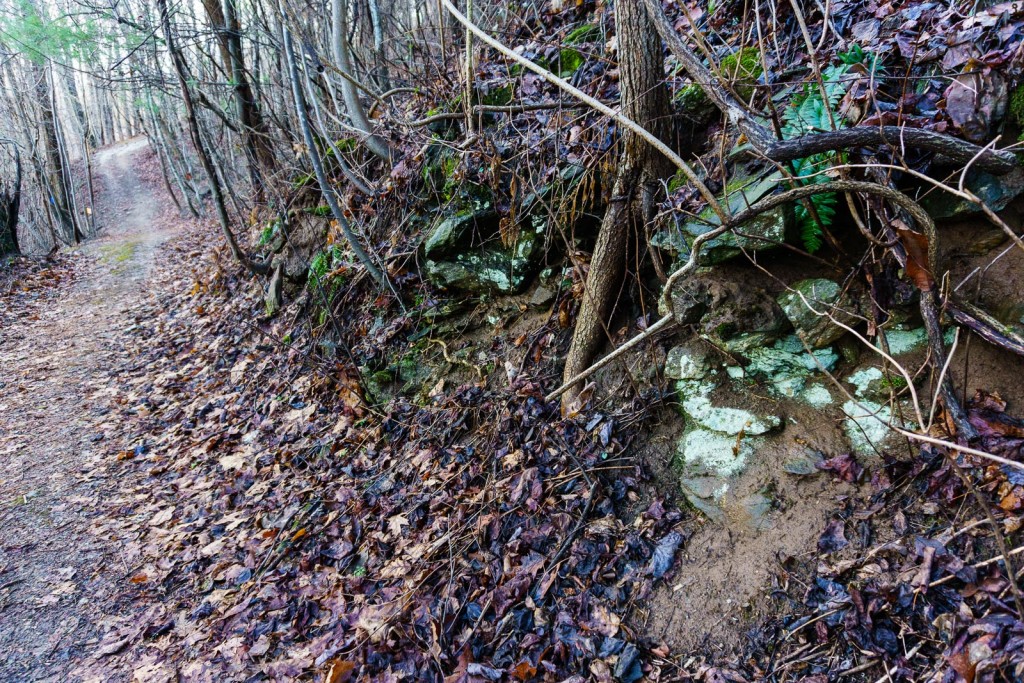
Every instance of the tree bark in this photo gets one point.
(645, 100)
(10, 203)
(58, 202)
(339, 30)
(204, 157)
(258, 153)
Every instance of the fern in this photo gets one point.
(807, 113)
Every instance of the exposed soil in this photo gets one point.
(62, 584)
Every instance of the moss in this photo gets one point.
(692, 100)
(498, 97)
(569, 60)
(677, 181)
(303, 181)
(118, 253)
(1016, 109)
(588, 33)
(895, 382)
(1017, 105)
(322, 210)
(743, 68)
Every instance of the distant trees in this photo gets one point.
(58, 99)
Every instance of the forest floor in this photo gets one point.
(194, 490)
(59, 578)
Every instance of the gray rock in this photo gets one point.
(996, 191)
(804, 464)
(704, 493)
(756, 509)
(274, 294)
(463, 252)
(542, 296)
(703, 452)
(867, 426)
(805, 305)
(697, 404)
(787, 367)
(765, 231)
(742, 317)
(689, 361)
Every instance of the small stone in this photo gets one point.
(867, 425)
(687, 362)
(712, 453)
(542, 296)
(704, 493)
(816, 396)
(806, 304)
(804, 464)
(756, 508)
(872, 383)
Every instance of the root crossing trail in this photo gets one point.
(62, 580)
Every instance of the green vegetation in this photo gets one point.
(323, 281)
(268, 232)
(742, 68)
(810, 112)
(588, 33)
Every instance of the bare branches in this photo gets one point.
(200, 146)
(897, 137)
(314, 158)
(632, 126)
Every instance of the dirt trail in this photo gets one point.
(60, 580)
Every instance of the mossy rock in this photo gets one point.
(741, 68)
(809, 304)
(996, 191)
(464, 252)
(765, 231)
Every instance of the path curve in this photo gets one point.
(62, 581)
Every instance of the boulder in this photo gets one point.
(765, 231)
(805, 304)
(464, 252)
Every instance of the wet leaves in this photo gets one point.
(300, 536)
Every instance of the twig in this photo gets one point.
(977, 565)
(1011, 575)
(625, 122)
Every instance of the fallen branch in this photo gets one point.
(897, 137)
(985, 326)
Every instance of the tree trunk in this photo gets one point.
(197, 140)
(339, 30)
(258, 154)
(10, 203)
(58, 201)
(644, 100)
